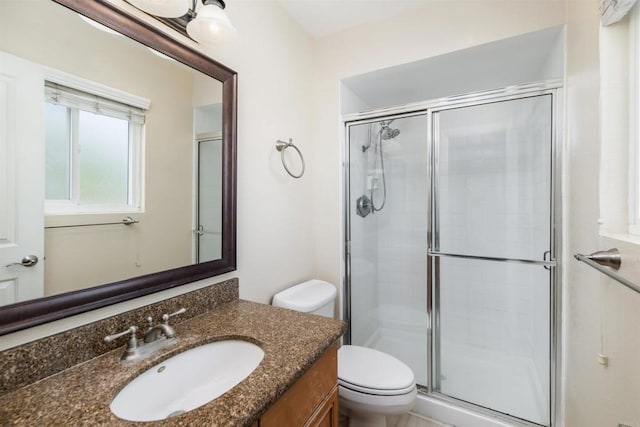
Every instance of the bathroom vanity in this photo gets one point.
(294, 385)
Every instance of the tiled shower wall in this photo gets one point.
(402, 233)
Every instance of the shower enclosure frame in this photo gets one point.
(427, 108)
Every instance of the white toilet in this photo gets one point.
(371, 384)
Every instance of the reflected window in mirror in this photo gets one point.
(93, 153)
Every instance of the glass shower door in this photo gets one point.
(387, 213)
(491, 255)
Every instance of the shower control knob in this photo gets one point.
(364, 206)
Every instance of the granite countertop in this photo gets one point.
(291, 341)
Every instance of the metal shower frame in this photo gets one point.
(427, 108)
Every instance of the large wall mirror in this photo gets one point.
(117, 161)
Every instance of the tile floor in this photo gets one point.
(407, 420)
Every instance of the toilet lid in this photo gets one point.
(372, 371)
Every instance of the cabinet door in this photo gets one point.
(302, 400)
(327, 415)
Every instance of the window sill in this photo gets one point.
(633, 239)
(89, 211)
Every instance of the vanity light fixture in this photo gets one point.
(207, 24)
(162, 8)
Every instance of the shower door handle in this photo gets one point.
(545, 262)
(544, 257)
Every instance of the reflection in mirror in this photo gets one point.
(105, 131)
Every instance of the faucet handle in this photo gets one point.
(132, 341)
(165, 317)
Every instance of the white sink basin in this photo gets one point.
(187, 381)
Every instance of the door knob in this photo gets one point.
(28, 261)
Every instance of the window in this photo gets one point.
(93, 149)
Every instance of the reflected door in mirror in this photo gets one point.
(21, 180)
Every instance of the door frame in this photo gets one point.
(201, 137)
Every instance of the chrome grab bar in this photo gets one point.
(610, 258)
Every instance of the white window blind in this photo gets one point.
(69, 97)
(612, 11)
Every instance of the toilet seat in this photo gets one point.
(369, 371)
(375, 391)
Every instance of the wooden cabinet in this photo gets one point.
(312, 400)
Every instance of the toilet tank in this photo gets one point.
(313, 296)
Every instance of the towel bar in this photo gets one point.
(610, 258)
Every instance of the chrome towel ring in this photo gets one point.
(281, 146)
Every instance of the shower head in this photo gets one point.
(386, 133)
(389, 133)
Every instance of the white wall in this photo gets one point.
(601, 315)
(522, 59)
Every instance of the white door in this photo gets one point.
(21, 179)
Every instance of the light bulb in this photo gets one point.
(211, 26)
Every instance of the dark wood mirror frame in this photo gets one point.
(27, 314)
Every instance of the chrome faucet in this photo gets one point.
(156, 338)
(156, 332)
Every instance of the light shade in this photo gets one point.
(99, 26)
(211, 26)
(161, 55)
(163, 8)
